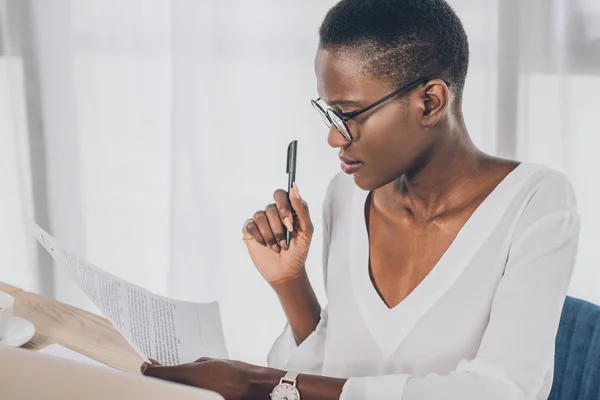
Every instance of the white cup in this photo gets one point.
(7, 309)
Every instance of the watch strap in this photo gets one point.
(290, 377)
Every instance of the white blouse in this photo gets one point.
(483, 322)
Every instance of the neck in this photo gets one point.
(432, 188)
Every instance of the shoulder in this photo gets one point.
(340, 185)
(548, 205)
(548, 190)
(339, 190)
(547, 228)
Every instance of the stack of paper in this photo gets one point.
(169, 331)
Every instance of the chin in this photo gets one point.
(365, 183)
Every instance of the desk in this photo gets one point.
(71, 327)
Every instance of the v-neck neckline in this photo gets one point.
(389, 326)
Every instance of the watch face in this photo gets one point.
(285, 391)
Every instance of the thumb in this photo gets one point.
(177, 373)
(301, 209)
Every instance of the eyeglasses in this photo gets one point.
(339, 120)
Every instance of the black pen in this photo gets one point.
(292, 151)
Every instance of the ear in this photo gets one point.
(435, 98)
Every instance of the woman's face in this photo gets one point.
(390, 139)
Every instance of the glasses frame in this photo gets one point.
(345, 117)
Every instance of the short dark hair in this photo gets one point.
(400, 40)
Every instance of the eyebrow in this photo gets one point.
(342, 102)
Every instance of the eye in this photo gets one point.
(345, 112)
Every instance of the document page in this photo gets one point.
(169, 331)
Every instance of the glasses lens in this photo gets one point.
(321, 112)
(339, 124)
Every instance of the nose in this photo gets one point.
(335, 138)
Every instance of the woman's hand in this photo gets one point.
(264, 236)
(231, 379)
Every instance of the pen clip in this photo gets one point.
(291, 157)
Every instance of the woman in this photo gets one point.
(445, 268)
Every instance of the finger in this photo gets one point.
(301, 209)
(179, 373)
(251, 232)
(276, 224)
(284, 208)
(262, 222)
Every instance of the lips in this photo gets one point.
(349, 165)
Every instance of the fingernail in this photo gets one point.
(276, 248)
(297, 190)
(283, 244)
(144, 367)
(287, 221)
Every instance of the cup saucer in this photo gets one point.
(20, 331)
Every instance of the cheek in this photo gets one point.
(390, 141)
(389, 151)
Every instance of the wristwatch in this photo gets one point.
(286, 390)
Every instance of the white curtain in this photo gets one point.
(143, 134)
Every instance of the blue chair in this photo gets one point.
(577, 357)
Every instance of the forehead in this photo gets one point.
(340, 76)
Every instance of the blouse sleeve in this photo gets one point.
(516, 355)
(307, 357)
